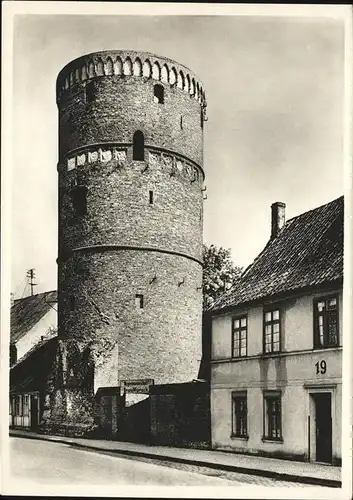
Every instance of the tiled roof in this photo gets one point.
(30, 373)
(43, 341)
(307, 252)
(25, 313)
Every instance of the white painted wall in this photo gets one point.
(34, 334)
(291, 371)
(296, 326)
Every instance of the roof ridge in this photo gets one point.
(314, 209)
(35, 295)
(308, 250)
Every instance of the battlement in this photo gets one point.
(129, 63)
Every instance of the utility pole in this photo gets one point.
(31, 276)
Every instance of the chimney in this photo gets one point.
(278, 218)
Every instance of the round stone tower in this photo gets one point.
(130, 216)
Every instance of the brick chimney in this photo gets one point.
(278, 217)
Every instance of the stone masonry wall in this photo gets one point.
(125, 244)
(124, 105)
(161, 341)
(119, 209)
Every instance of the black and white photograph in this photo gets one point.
(176, 222)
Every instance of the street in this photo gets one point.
(45, 463)
(36, 464)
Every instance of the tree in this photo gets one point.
(219, 273)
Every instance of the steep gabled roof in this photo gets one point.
(307, 252)
(31, 371)
(25, 313)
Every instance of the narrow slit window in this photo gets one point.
(139, 301)
(90, 92)
(79, 200)
(72, 303)
(151, 197)
(138, 146)
(181, 123)
(158, 92)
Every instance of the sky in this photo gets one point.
(274, 88)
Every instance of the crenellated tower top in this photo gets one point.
(129, 63)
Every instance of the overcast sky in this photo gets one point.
(274, 88)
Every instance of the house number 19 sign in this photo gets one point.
(320, 367)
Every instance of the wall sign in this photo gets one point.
(137, 386)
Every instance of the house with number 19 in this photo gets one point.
(276, 344)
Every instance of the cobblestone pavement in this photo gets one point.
(236, 477)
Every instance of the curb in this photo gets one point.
(282, 476)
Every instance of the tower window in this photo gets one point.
(151, 197)
(138, 146)
(72, 303)
(181, 123)
(158, 94)
(139, 301)
(90, 92)
(79, 200)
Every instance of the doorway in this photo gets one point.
(34, 411)
(323, 427)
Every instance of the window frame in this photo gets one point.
(138, 146)
(79, 200)
(239, 317)
(18, 405)
(316, 315)
(25, 403)
(90, 91)
(140, 298)
(271, 309)
(267, 422)
(158, 93)
(235, 432)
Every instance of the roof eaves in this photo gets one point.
(277, 296)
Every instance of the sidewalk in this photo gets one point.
(285, 470)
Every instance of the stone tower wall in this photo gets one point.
(130, 241)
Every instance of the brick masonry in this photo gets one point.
(125, 245)
(161, 341)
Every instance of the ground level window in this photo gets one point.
(18, 409)
(25, 405)
(239, 414)
(272, 416)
